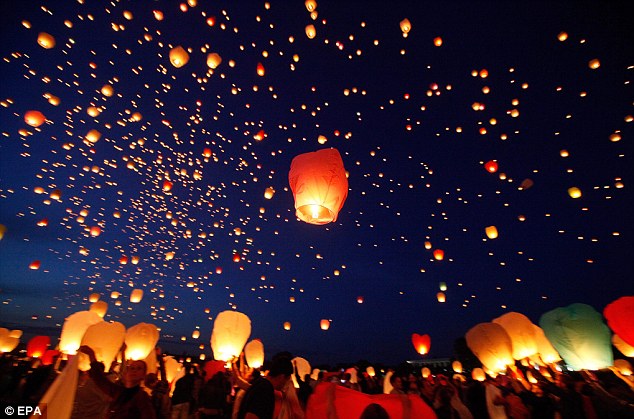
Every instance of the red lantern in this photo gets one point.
(439, 254)
(421, 343)
(35, 265)
(207, 152)
(619, 315)
(491, 166)
(49, 356)
(34, 118)
(236, 257)
(167, 186)
(319, 185)
(37, 346)
(260, 70)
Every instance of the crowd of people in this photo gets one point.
(270, 392)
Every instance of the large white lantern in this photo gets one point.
(230, 333)
(140, 339)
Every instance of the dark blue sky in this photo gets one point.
(360, 84)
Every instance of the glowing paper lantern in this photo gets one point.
(594, 64)
(230, 333)
(311, 32)
(260, 69)
(456, 366)
(107, 90)
(545, 349)
(478, 374)
(324, 324)
(491, 166)
(93, 136)
(106, 340)
(624, 367)
(303, 368)
(74, 328)
(136, 296)
(311, 5)
(49, 356)
(34, 118)
(46, 40)
(522, 333)
(405, 25)
(370, 371)
(268, 193)
(287, 325)
(100, 308)
(425, 372)
(172, 368)
(8, 344)
(15, 334)
(574, 192)
(439, 254)
(579, 335)
(622, 346)
(37, 346)
(178, 56)
(441, 297)
(213, 61)
(140, 339)
(491, 232)
(438, 41)
(254, 353)
(619, 315)
(442, 286)
(94, 297)
(319, 185)
(35, 265)
(421, 343)
(195, 334)
(492, 345)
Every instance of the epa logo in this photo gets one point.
(23, 411)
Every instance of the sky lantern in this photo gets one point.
(100, 308)
(260, 69)
(7, 342)
(95, 231)
(172, 368)
(167, 186)
(478, 374)
(74, 328)
(406, 26)
(287, 325)
(522, 333)
(268, 193)
(46, 40)
(491, 166)
(545, 349)
(491, 232)
(123, 260)
(35, 265)
(3, 230)
(136, 296)
(107, 90)
(428, 245)
(213, 60)
(254, 353)
(93, 136)
(439, 254)
(37, 346)
(178, 56)
(422, 343)
(324, 324)
(56, 195)
(140, 339)
(438, 41)
(311, 5)
(105, 339)
(319, 185)
(619, 315)
(456, 366)
(425, 372)
(574, 192)
(260, 135)
(441, 297)
(207, 152)
(311, 32)
(442, 286)
(236, 257)
(34, 118)
(594, 64)
(625, 348)
(623, 366)
(578, 333)
(303, 368)
(230, 332)
(93, 110)
(492, 345)
(196, 334)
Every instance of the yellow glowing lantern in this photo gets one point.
(522, 333)
(46, 40)
(311, 32)
(456, 366)
(623, 366)
(100, 308)
(230, 332)
(94, 297)
(260, 70)
(624, 347)
(213, 61)
(492, 345)
(594, 64)
(115, 294)
(319, 185)
(491, 232)
(442, 286)
(136, 296)
(93, 136)
(478, 374)
(545, 349)
(268, 193)
(7, 342)
(34, 118)
(254, 353)
(93, 111)
(324, 324)
(105, 339)
(140, 339)
(178, 56)
(428, 245)
(195, 334)
(311, 5)
(107, 90)
(15, 334)
(438, 41)
(74, 328)
(574, 192)
(405, 25)
(287, 325)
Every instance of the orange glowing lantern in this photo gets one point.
(178, 56)
(491, 166)
(123, 260)
(438, 41)
(136, 296)
(478, 374)
(95, 231)
(196, 334)
(425, 372)
(311, 5)
(37, 346)
(46, 40)
(491, 232)
(622, 346)
(324, 324)
(213, 60)
(405, 25)
(260, 69)
(100, 308)
(441, 297)
(94, 297)
(311, 32)
(574, 192)
(34, 118)
(319, 185)
(421, 343)
(439, 254)
(167, 186)
(457, 367)
(287, 325)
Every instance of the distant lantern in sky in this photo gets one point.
(491, 166)
(196, 334)
(254, 353)
(311, 5)
(562, 36)
(230, 332)
(406, 26)
(442, 286)
(94, 297)
(95, 231)
(35, 265)
(456, 366)
(324, 324)
(140, 340)
(439, 254)
(136, 296)
(422, 343)
(34, 118)
(319, 185)
(46, 40)
(425, 372)
(311, 32)
(574, 192)
(594, 64)
(441, 297)
(287, 325)
(268, 193)
(491, 232)
(260, 69)
(438, 41)
(213, 60)
(107, 90)
(178, 56)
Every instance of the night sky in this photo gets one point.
(415, 119)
